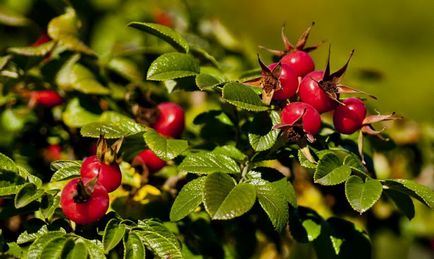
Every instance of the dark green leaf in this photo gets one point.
(362, 195)
(402, 201)
(75, 116)
(133, 247)
(207, 82)
(113, 234)
(421, 192)
(206, 163)
(59, 164)
(306, 163)
(274, 203)
(188, 199)
(54, 247)
(27, 193)
(49, 204)
(287, 189)
(79, 251)
(230, 151)
(159, 239)
(330, 171)
(25, 237)
(171, 66)
(164, 148)
(63, 79)
(66, 173)
(126, 68)
(7, 165)
(163, 32)
(94, 247)
(36, 248)
(83, 80)
(243, 97)
(355, 163)
(262, 136)
(217, 188)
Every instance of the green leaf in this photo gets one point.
(306, 163)
(79, 250)
(54, 248)
(133, 247)
(59, 164)
(312, 228)
(164, 148)
(287, 189)
(37, 247)
(83, 80)
(66, 172)
(11, 18)
(159, 239)
(262, 136)
(62, 78)
(330, 171)
(7, 164)
(362, 195)
(75, 116)
(112, 125)
(273, 202)
(217, 188)
(27, 193)
(207, 82)
(188, 199)
(94, 248)
(230, 151)
(26, 237)
(113, 234)
(64, 29)
(337, 243)
(355, 163)
(171, 66)
(49, 204)
(163, 32)
(225, 200)
(40, 50)
(243, 97)
(206, 163)
(125, 68)
(402, 201)
(418, 191)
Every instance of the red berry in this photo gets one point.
(310, 92)
(348, 118)
(170, 120)
(163, 18)
(288, 81)
(84, 211)
(311, 120)
(53, 152)
(43, 38)
(300, 61)
(109, 176)
(148, 158)
(46, 98)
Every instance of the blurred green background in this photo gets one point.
(394, 42)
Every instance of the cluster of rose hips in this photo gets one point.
(85, 200)
(168, 119)
(312, 92)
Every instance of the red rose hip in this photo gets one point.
(150, 160)
(109, 176)
(300, 61)
(310, 92)
(83, 208)
(348, 117)
(288, 81)
(170, 120)
(310, 118)
(46, 98)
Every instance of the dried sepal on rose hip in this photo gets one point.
(300, 122)
(296, 56)
(104, 165)
(321, 89)
(84, 202)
